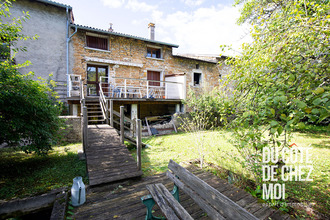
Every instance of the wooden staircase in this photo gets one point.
(94, 111)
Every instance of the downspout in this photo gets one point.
(68, 38)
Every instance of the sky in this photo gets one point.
(197, 26)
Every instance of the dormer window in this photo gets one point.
(154, 52)
(97, 42)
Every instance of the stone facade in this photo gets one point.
(130, 57)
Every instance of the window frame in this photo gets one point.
(153, 48)
(197, 71)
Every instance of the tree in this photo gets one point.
(282, 77)
(28, 117)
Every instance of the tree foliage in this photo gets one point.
(28, 115)
(282, 77)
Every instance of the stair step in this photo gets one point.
(88, 112)
(96, 120)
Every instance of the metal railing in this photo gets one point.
(75, 85)
(122, 87)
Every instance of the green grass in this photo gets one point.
(181, 147)
(24, 175)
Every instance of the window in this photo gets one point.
(97, 42)
(153, 75)
(197, 79)
(4, 51)
(154, 52)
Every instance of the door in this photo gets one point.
(153, 75)
(94, 73)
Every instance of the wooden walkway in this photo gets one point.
(107, 159)
(123, 201)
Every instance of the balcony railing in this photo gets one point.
(75, 85)
(131, 88)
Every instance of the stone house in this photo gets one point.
(141, 74)
(145, 68)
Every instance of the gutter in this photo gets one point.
(68, 39)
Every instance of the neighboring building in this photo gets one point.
(141, 74)
(49, 53)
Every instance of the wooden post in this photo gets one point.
(147, 89)
(111, 113)
(138, 142)
(85, 128)
(107, 112)
(122, 124)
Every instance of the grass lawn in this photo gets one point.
(24, 175)
(181, 147)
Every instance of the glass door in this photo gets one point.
(94, 73)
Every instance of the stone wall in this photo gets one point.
(72, 131)
(130, 54)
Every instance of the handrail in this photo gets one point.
(82, 95)
(102, 102)
(126, 118)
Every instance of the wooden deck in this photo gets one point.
(107, 159)
(123, 201)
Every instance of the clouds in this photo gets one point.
(193, 3)
(133, 5)
(198, 30)
(113, 3)
(204, 29)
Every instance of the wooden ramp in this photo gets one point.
(107, 159)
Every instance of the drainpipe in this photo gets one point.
(68, 38)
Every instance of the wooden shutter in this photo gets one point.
(153, 75)
(97, 42)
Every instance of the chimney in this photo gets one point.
(110, 29)
(151, 27)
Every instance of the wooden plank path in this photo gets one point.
(107, 159)
(122, 201)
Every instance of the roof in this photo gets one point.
(55, 4)
(87, 28)
(197, 59)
